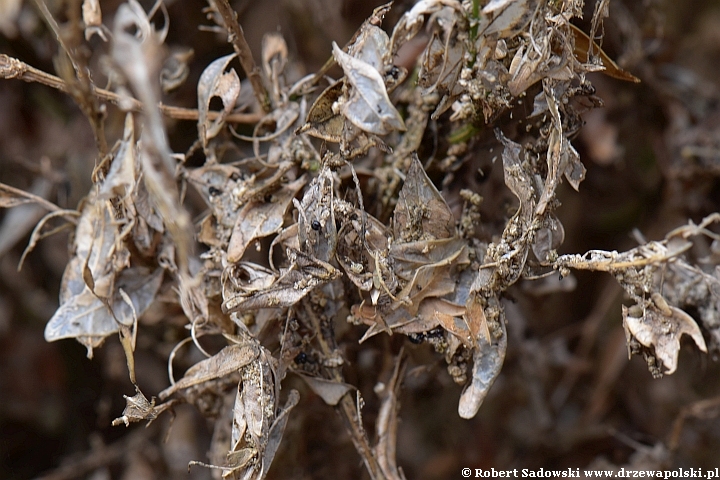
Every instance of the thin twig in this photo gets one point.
(237, 38)
(13, 68)
(346, 407)
(80, 85)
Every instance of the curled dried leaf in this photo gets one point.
(661, 327)
(331, 391)
(304, 274)
(488, 359)
(230, 359)
(216, 82)
(259, 219)
(368, 106)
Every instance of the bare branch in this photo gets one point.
(13, 68)
(237, 38)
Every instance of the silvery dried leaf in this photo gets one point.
(215, 82)
(121, 179)
(83, 316)
(488, 360)
(368, 107)
(228, 360)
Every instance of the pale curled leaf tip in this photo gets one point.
(488, 360)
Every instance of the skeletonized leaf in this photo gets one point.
(330, 391)
(259, 219)
(369, 108)
(662, 331)
(215, 82)
(230, 359)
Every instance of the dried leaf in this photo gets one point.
(317, 232)
(582, 49)
(506, 18)
(322, 121)
(25, 213)
(421, 211)
(387, 423)
(138, 408)
(92, 17)
(331, 391)
(368, 107)
(83, 316)
(215, 82)
(488, 359)
(661, 330)
(286, 289)
(259, 219)
(278, 429)
(230, 359)
(121, 178)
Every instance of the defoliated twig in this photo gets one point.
(237, 38)
(346, 407)
(14, 68)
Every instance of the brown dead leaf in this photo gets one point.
(330, 391)
(230, 359)
(322, 121)
(258, 219)
(582, 49)
(421, 211)
(279, 290)
(138, 408)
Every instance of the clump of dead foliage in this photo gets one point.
(318, 212)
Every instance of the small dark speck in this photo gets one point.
(301, 358)
(214, 191)
(315, 225)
